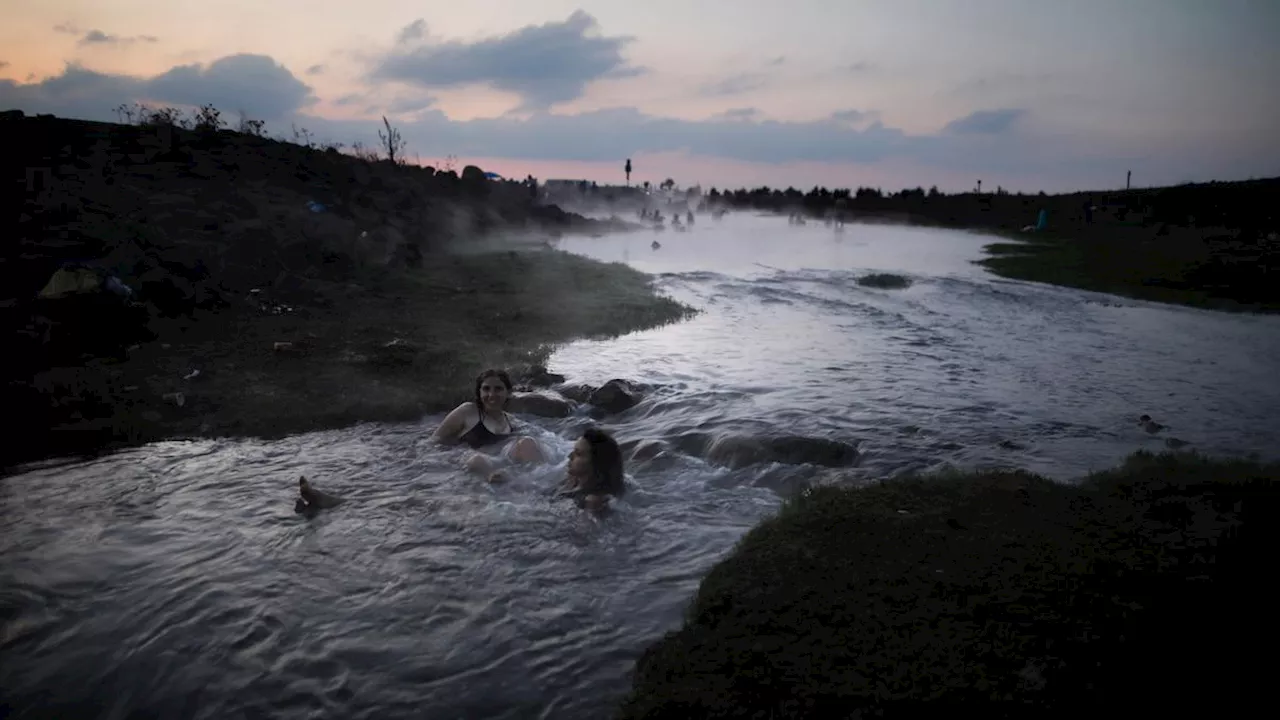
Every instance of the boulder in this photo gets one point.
(615, 396)
(540, 404)
(577, 392)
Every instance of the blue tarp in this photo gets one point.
(493, 176)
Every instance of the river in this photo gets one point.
(175, 579)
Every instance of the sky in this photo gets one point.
(1028, 95)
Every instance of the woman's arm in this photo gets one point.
(453, 425)
(595, 502)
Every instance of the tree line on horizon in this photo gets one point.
(1228, 202)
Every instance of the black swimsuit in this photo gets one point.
(481, 436)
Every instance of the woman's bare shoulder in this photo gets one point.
(466, 409)
(454, 423)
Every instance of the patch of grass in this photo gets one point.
(998, 592)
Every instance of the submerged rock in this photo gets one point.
(739, 451)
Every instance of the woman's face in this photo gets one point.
(580, 459)
(493, 394)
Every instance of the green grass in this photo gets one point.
(1002, 593)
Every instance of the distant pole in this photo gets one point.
(628, 169)
(1128, 175)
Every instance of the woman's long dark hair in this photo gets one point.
(606, 462)
(501, 375)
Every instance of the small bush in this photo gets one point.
(162, 117)
(303, 137)
(392, 142)
(251, 127)
(208, 120)
(363, 152)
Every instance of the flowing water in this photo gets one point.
(175, 580)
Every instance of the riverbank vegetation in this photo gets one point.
(1143, 588)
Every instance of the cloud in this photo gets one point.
(732, 85)
(415, 30)
(97, 37)
(228, 82)
(980, 142)
(621, 132)
(4, 64)
(66, 28)
(317, 69)
(985, 122)
(854, 117)
(255, 84)
(778, 60)
(544, 64)
(862, 66)
(403, 105)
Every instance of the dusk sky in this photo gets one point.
(1026, 94)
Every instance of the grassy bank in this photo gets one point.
(1144, 588)
(382, 305)
(1185, 266)
(1205, 244)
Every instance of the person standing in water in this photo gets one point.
(595, 471)
(484, 424)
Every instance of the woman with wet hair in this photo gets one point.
(595, 470)
(483, 424)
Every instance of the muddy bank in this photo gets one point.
(1143, 588)
(270, 288)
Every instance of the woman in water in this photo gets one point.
(484, 424)
(594, 474)
(595, 470)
